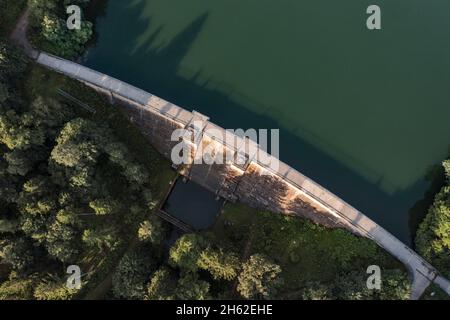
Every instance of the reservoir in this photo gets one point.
(365, 113)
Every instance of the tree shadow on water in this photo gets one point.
(136, 59)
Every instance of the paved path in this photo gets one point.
(19, 35)
(422, 272)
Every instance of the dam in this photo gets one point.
(284, 190)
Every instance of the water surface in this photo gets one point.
(364, 113)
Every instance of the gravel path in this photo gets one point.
(19, 35)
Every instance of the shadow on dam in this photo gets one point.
(160, 76)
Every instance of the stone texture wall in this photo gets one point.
(253, 185)
(155, 127)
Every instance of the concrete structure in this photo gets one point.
(282, 190)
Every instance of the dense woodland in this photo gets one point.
(81, 188)
(433, 235)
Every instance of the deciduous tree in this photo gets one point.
(260, 278)
(162, 285)
(186, 252)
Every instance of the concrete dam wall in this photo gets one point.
(251, 181)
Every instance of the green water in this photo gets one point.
(364, 113)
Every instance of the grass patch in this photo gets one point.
(305, 251)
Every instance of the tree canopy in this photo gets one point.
(433, 235)
(68, 185)
(260, 278)
(49, 22)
